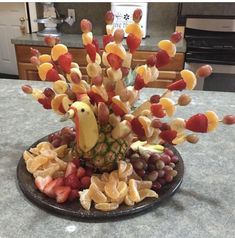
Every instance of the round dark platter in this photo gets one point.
(73, 210)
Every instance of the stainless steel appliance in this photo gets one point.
(211, 40)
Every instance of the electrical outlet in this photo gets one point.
(71, 13)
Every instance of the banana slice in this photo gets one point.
(109, 29)
(154, 73)
(146, 122)
(60, 86)
(87, 38)
(97, 59)
(168, 105)
(104, 59)
(178, 124)
(114, 75)
(168, 46)
(93, 70)
(127, 61)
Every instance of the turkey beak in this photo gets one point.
(68, 115)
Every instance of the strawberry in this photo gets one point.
(197, 123)
(107, 39)
(81, 172)
(65, 62)
(49, 189)
(71, 169)
(94, 97)
(62, 193)
(168, 135)
(91, 51)
(41, 182)
(157, 110)
(85, 181)
(115, 61)
(111, 93)
(133, 42)
(165, 126)
(176, 37)
(72, 181)
(117, 110)
(177, 85)
(52, 75)
(151, 60)
(73, 195)
(162, 58)
(95, 42)
(137, 128)
(139, 82)
(75, 78)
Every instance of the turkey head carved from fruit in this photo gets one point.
(85, 124)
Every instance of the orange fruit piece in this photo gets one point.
(100, 90)
(116, 99)
(133, 191)
(44, 58)
(146, 122)
(33, 164)
(189, 78)
(135, 29)
(213, 120)
(145, 193)
(128, 201)
(106, 206)
(43, 69)
(98, 182)
(110, 187)
(116, 49)
(143, 184)
(56, 102)
(168, 105)
(58, 50)
(27, 155)
(85, 199)
(96, 195)
(168, 46)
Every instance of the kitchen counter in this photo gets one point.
(203, 207)
(75, 40)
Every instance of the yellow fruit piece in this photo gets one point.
(104, 59)
(145, 72)
(37, 93)
(56, 102)
(114, 75)
(141, 184)
(60, 86)
(61, 151)
(168, 105)
(98, 182)
(213, 120)
(87, 38)
(93, 70)
(106, 206)
(122, 105)
(121, 167)
(61, 163)
(154, 73)
(146, 122)
(74, 70)
(127, 61)
(50, 154)
(96, 195)
(135, 29)
(97, 59)
(27, 155)
(33, 164)
(44, 58)
(100, 90)
(133, 95)
(110, 187)
(43, 69)
(80, 88)
(116, 49)
(44, 145)
(133, 191)
(58, 50)
(168, 46)
(109, 29)
(66, 103)
(180, 138)
(128, 201)
(121, 130)
(85, 199)
(145, 193)
(50, 169)
(189, 78)
(178, 124)
(144, 106)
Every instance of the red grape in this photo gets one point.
(160, 164)
(204, 71)
(156, 123)
(85, 25)
(151, 167)
(162, 181)
(175, 159)
(154, 158)
(27, 89)
(176, 37)
(165, 126)
(34, 52)
(172, 165)
(85, 181)
(138, 164)
(152, 176)
(48, 92)
(118, 35)
(137, 15)
(229, 119)
(168, 178)
(81, 172)
(125, 71)
(139, 82)
(168, 152)
(141, 172)
(156, 186)
(155, 98)
(184, 100)
(75, 78)
(56, 142)
(166, 158)
(109, 17)
(161, 173)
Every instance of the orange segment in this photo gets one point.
(106, 206)
(168, 46)
(146, 122)
(122, 105)
(213, 120)
(145, 193)
(57, 102)
(85, 199)
(189, 78)
(133, 191)
(145, 72)
(44, 58)
(168, 106)
(135, 29)
(99, 183)
(96, 195)
(43, 69)
(116, 49)
(58, 50)
(87, 38)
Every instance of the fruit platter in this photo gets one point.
(115, 159)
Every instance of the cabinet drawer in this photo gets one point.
(27, 71)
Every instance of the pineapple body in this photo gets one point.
(107, 151)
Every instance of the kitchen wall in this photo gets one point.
(161, 16)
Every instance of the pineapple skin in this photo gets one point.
(103, 157)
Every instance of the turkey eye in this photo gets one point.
(82, 110)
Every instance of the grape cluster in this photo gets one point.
(65, 136)
(155, 167)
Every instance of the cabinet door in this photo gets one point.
(27, 71)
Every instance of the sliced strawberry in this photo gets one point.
(95, 42)
(65, 62)
(139, 82)
(72, 181)
(61, 109)
(157, 110)
(85, 181)
(62, 193)
(117, 110)
(91, 51)
(168, 135)
(52, 75)
(197, 123)
(115, 61)
(107, 39)
(95, 98)
(177, 85)
(137, 128)
(49, 190)
(111, 93)
(41, 182)
(73, 195)
(71, 169)
(133, 42)
(81, 172)
(162, 58)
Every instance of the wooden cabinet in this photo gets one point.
(167, 74)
